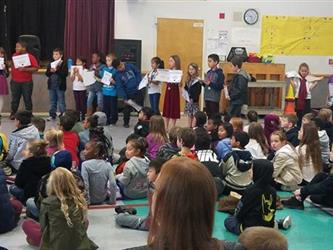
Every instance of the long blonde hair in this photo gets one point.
(54, 137)
(62, 184)
(157, 129)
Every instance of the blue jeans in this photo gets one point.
(232, 224)
(17, 192)
(155, 102)
(32, 208)
(95, 90)
(57, 98)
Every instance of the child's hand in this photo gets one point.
(297, 194)
(53, 70)
(206, 82)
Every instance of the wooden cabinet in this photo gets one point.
(265, 98)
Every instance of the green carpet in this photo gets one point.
(311, 228)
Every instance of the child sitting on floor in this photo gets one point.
(324, 143)
(287, 173)
(88, 123)
(63, 219)
(3, 145)
(10, 209)
(18, 139)
(126, 217)
(212, 127)
(325, 115)
(252, 116)
(258, 204)
(33, 167)
(235, 165)
(132, 182)
(237, 124)
(142, 126)
(257, 146)
(71, 139)
(168, 150)
(186, 139)
(39, 123)
(309, 152)
(97, 174)
(289, 125)
(224, 145)
(157, 135)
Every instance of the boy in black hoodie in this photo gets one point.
(289, 125)
(258, 204)
(142, 127)
(238, 90)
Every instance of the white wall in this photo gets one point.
(136, 19)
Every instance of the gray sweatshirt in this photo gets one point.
(324, 146)
(133, 180)
(99, 181)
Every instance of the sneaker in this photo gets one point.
(50, 118)
(293, 203)
(123, 209)
(286, 222)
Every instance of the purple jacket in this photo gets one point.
(153, 146)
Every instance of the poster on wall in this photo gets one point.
(246, 37)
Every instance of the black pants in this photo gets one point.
(110, 108)
(137, 97)
(301, 113)
(235, 110)
(212, 108)
(19, 89)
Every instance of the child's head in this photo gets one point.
(132, 137)
(118, 65)
(90, 122)
(157, 128)
(200, 119)
(95, 149)
(262, 172)
(136, 147)
(66, 123)
(263, 238)
(183, 183)
(237, 63)
(21, 47)
(96, 57)
(174, 62)
(203, 140)
(74, 114)
(213, 122)
(278, 139)
(252, 116)
(288, 121)
(109, 58)
(173, 133)
(80, 61)
(307, 118)
(186, 138)
(3, 53)
(325, 115)
(303, 70)
(157, 63)
(225, 130)
(57, 54)
(23, 118)
(63, 185)
(54, 138)
(36, 148)
(213, 60)
(256, 132)
(193, 70)
(237, 124)
(240, 139)
(39, 123)
(154, 169)
(145, 114)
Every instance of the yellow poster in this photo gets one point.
(291, 35)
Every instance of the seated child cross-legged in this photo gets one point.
(223, 147)
(257, 206)
(126, 217)
(157, 136)
(168, 150)
(142, 126)
(236, 164)
(97, 174)
(289, 125)
(257, 146)
(287, 173)
(132, 182)
(186, 139)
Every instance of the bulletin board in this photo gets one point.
(291, 35)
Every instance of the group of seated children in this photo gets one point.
(276, 155)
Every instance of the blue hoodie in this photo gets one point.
(127, 81)
(109, 90)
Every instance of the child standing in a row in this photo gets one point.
(154, 87)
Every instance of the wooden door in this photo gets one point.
(182, 37)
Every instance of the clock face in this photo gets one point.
(251, 16)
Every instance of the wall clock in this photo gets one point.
(251, 16)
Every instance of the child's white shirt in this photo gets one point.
(308, 84)
(152, 87)
(78, 85)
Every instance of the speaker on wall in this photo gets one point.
(33, 43)
(128, 51)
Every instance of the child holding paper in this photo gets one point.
(110, 107)
(4, 73)
(57, 72)
(154, 87)
(193, 88)
(171, 108)
(79, 89)
(21, 83)
(95, 90)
